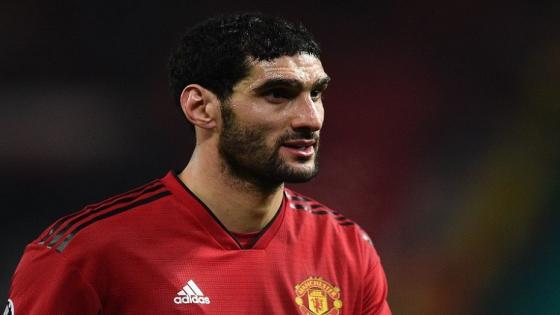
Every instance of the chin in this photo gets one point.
(300, 173)
(296, 170)
(299, 179)
(301, 167)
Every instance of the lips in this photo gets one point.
(300, 148)
(299, 143)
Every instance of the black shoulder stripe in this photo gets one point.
(300, 207)
(319, 212)
(307, 206)
(299, 198)
(300, 202)
(313, 208)
(61, 221)
(57, 224)
(108, 214)
(86, 213)
(126, 193)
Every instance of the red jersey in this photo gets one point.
(159, 250)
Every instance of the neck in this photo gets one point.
(241, 206)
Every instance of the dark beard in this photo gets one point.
(248, 158)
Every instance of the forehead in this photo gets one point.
(305, 68)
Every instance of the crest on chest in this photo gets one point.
(315, 296)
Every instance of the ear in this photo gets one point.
(199, 106)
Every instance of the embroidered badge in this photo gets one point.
(315, 296)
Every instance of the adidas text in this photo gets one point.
(191, 299)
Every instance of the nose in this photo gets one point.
(308, 114)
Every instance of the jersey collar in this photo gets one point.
(210, 222)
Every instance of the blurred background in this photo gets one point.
(442, 133)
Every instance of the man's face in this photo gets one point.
(271, 122)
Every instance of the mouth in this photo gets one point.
(302, 148)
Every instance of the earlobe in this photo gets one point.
(197, 104)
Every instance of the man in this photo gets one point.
(224, 236)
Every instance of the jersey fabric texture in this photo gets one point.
(159, 250)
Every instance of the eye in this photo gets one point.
(279, 95)
(316, 94)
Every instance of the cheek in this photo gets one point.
(271, 122)
(265, 126)
(264, 116)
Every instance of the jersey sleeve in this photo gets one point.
(46, 283)
(375, 283)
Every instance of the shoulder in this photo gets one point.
(318, 217)
(315, 211)
(97, 223)
(74, 255)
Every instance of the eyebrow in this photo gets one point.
(322, 83)
(296, 84)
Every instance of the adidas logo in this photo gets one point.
(191, 293)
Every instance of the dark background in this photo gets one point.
(441, 136)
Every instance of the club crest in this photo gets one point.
(315, 296)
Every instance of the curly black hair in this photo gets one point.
(215, 52)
